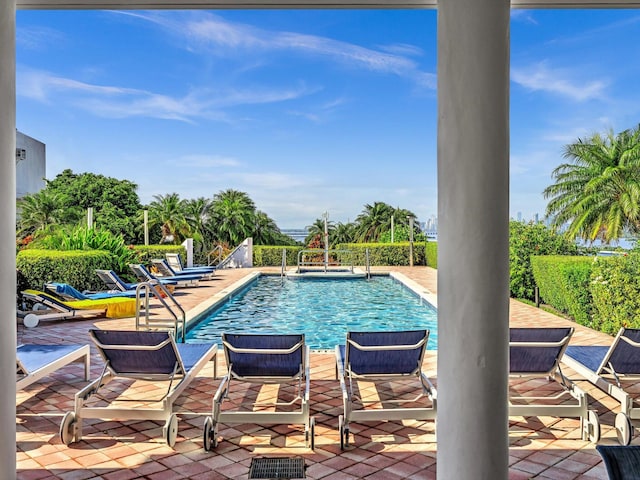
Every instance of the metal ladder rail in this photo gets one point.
(284, 262)
(217, 251)
(179, 323)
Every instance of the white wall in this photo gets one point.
(31, 171)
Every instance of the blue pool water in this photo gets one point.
(324, 310)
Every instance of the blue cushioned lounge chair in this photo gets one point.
(67, 292)
(536, 352)
(175, 262)
(622, 462)
(383, 356)
(46, 307)
(145, 356)
(263, 359)
(165, 269)
(610, 368)
(145, 275)
(114, 283)
(34, 362)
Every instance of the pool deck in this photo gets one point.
(540, 447)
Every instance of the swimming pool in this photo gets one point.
(324, 310)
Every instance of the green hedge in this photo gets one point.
(75, 267)
(269, 256)
(615, 287)
(381, 254)
(431, 252)
(564, 283)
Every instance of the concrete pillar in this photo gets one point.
(7, 238)
(473, 232)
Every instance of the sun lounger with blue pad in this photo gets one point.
(167, 272)
(386, 357)
(47, 307)
(115, 284)
(67, 292)
(145, 275)
(621, 462)
(175, 262)
(139, 356)
(608, 368)
(34, 362)
(264, 359)
(536, 352)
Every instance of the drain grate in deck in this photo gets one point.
(277, 467)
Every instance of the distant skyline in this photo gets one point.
(306, 111)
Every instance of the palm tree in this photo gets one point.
(169, 213)
(38, 211)
(373, 221)
(197, 214)
(597, 193)
(233, 216)
(342, 233)
(316, 231)
(265, 229)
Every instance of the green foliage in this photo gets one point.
(83, 238)
(431, 253)
(115, 202)
(615, 289)
(146, 253)
(526, 240)
(270, 256)
(75, 267)
(564, 283)
(385, 254)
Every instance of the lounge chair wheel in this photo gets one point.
(310, 434)
(68, 428)
(171, 430)
(593, 426)
(210, 435)
(39, 306)
(31, 320)
(624, 428)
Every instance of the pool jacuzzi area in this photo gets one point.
(324, 309)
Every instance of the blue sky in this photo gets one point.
(306, 111)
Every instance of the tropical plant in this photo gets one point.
(233, 217)
(597, 192)
(265, 229)
(342, 233)
(168, 212)
(83, 238)
(38, 211)
(315, 233)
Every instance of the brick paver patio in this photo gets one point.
(541, 447)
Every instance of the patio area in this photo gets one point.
(540, 447)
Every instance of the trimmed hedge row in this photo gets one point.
(146, 253)
(385, 254)
(602, 293)
(564, 284)
(75, 267)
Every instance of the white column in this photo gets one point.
(473, 232)
(7, 238)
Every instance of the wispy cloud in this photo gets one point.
(38, 38)
(540, 77)
(121, 102)
(218, 36)
(523, 16)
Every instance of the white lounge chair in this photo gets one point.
(149, 356)
(263, 359)
(34, 362)
(383, 356)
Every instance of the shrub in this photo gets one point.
(385, 254)
(146, 253)
(526, 240)
(564, 283)
(615, 287)
(269, 256)
(75, 267)
(431, 254)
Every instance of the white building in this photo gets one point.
(31, 165)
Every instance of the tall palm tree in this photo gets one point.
(197, 214)
(38, 211)
(597, 192)
(169, 213)
(233, 216)
(343, 233)
(373, 221)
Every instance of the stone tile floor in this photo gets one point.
(540, 447)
